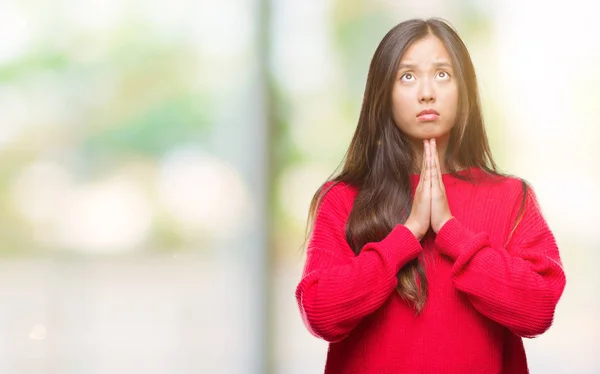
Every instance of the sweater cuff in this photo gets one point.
(452, 238)
(399, 247)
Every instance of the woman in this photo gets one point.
(422, 257)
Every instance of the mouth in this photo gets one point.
(427, 115)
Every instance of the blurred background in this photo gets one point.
(157, 159)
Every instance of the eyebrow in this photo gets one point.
(436, 64)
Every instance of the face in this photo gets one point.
(425, 93)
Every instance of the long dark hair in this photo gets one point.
(380, 158)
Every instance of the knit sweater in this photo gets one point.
(485, 294)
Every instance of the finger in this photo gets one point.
(428, 166)
(422, 172)
(424, 159)
(438, 166)
(434, 170)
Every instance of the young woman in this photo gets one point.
(422, 257)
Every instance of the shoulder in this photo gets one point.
(509, 189)
(503, 184)
(338, 190)
(337, 195)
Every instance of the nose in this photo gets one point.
(426, 92)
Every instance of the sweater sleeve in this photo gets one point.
(339, 288)
(518, 286)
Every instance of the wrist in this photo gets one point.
(414, 228)
(443, 223)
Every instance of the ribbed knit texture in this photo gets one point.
(484, 294)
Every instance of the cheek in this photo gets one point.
(400, 112)
(401, 102)
(451, 99)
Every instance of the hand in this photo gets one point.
(420, 215)
(440, 211)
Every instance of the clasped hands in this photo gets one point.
(430, 204)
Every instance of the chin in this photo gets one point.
(422, 135)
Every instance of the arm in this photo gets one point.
(517, 286)
(339, 288)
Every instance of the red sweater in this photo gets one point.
(483, 296)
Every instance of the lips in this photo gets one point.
(427, 115)
(428, 111)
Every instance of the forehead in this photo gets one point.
(426, 51)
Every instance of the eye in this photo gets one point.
(443, 75)
(407, 77)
